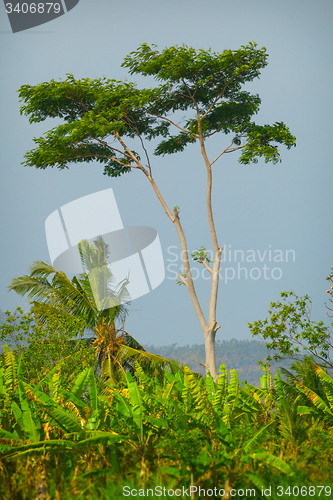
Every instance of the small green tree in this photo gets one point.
(103, 118)
(290, 331)
(44, 343)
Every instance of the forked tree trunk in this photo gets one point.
(209, 328)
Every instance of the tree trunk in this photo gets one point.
(41, 483)
(210, 363)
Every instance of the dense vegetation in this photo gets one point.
(77, 435)
(147, 426)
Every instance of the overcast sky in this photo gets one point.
(258, 208)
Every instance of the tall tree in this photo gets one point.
(102, 118)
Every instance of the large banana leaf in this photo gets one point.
(67, 420)
(7, 435)
(138, 407)
(99, 437)
(316, 400)
(233, 391)
(275, 462)
(80, 384)
(222, 388)
(10, 369)
(17, 414)
(41, 446)
(93, 392)
(203, 407)
(2, 381)
(31, 421)
(327, 382)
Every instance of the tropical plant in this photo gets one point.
(303, 371)
(291, 428)
(91, 297)
(321, 406)
(54, 289)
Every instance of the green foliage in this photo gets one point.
(322, 404)
(200, 255)
(304, 372)
(176, 429)
(78, 297)
(43, 344)
(290, 330)
(90, 300)
(97, 112)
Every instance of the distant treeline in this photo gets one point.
(242, 355)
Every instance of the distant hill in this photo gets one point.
(242, 355)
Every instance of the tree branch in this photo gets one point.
(134, 158)
(226, 150)
(172, 123)
(215, 100)
(204, 263)
(189, 280)
(183, 280)
(134, 126)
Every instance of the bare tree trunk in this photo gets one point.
(209, 328)
(210, 364)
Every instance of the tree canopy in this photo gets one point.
(95, 111)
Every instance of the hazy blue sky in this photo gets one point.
(259, 207)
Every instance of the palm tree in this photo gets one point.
(90, 296)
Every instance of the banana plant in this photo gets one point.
(236, 460)
(291, 428)
(320, 407)
(222, 399)
(143, 429)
